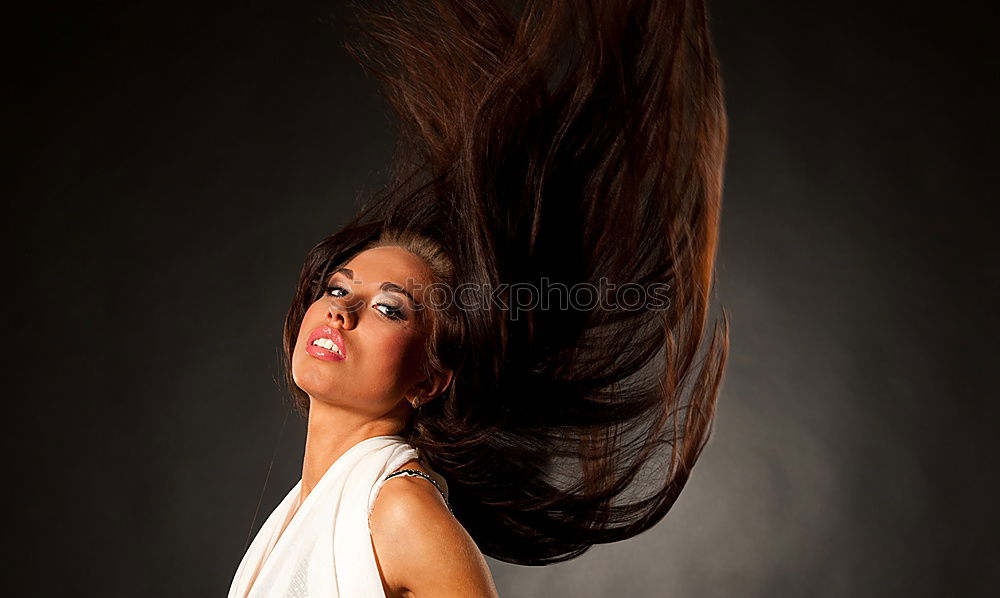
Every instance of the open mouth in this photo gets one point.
(326, 343)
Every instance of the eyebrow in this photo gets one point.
(385, 286)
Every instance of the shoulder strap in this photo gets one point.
(418, 474)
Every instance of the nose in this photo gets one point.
(341, 314)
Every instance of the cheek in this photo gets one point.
(391, 365)
(392, 354)
(310, 320)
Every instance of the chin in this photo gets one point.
(314, 380)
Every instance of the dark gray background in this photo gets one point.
(171, 164)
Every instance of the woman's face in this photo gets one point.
(361, 344)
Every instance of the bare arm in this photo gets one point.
(421, 549)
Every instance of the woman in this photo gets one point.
(542, 146)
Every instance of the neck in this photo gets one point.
(332, 430)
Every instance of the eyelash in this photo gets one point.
(397, 314)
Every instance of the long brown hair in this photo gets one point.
(571, 142)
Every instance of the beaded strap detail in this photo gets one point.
(419, 474)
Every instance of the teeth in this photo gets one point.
(329, 345)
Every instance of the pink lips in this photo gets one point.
(326, 354)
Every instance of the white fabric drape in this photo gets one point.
(325, 550)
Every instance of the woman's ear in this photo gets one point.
(428, 388)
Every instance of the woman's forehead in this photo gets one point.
(388, 264)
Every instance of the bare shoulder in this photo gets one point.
(421, 549)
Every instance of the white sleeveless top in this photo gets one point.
(325, 550)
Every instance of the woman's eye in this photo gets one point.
(390, 312)
(332, 288)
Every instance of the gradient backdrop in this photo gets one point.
(171, 164)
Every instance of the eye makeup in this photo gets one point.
(389, 309)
